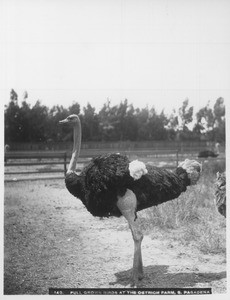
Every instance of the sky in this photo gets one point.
(152, 52)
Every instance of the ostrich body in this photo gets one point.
(210, 153)
(220, 193)
(111, 185)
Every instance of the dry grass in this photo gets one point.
(192, 219)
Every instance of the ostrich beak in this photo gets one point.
(63, 121)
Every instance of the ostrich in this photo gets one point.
(111, 185)
(220, 193)
(209, 153)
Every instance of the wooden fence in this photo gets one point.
(47, 161)
(121, 145)
(53, 158)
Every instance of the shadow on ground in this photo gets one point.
(159, 277)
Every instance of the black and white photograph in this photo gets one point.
(115, 147)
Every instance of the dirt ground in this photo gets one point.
(52, 241)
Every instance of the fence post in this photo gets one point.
(177, 158)
(65, 161)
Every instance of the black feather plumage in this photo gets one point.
(159, 186)
(107, 172)
(210, 153)
(100, 183)
(207, 153)
(107, 177)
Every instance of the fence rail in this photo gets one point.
(53, 158)
(122, 145)
(47, 163)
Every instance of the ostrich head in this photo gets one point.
(72, 119)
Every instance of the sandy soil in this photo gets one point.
(51, 241)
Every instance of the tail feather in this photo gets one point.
(137, 169)
(193, 168)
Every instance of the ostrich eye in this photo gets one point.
(71, 118)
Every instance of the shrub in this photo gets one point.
(213, 166)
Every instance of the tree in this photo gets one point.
(74, 108)
(90, 124)
(24, 120)
(13, 96)
(55, 132)
(130, 124)
(25, 95)
(186, 115)
(12, 120)
(179, 121)
(23, 123)
(156, 125)
(37, 122)
(143, 120)
(151, 126)
(113, 123)
(125, 123)
(210, 123)
(107, 122)
(219, 115)
(121, 114)
(205, 120)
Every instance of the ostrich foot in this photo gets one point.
(136, 277)
(140, 276)
(135, 280)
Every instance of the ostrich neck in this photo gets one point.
(76, 147)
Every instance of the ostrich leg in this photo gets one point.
(127, 205)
